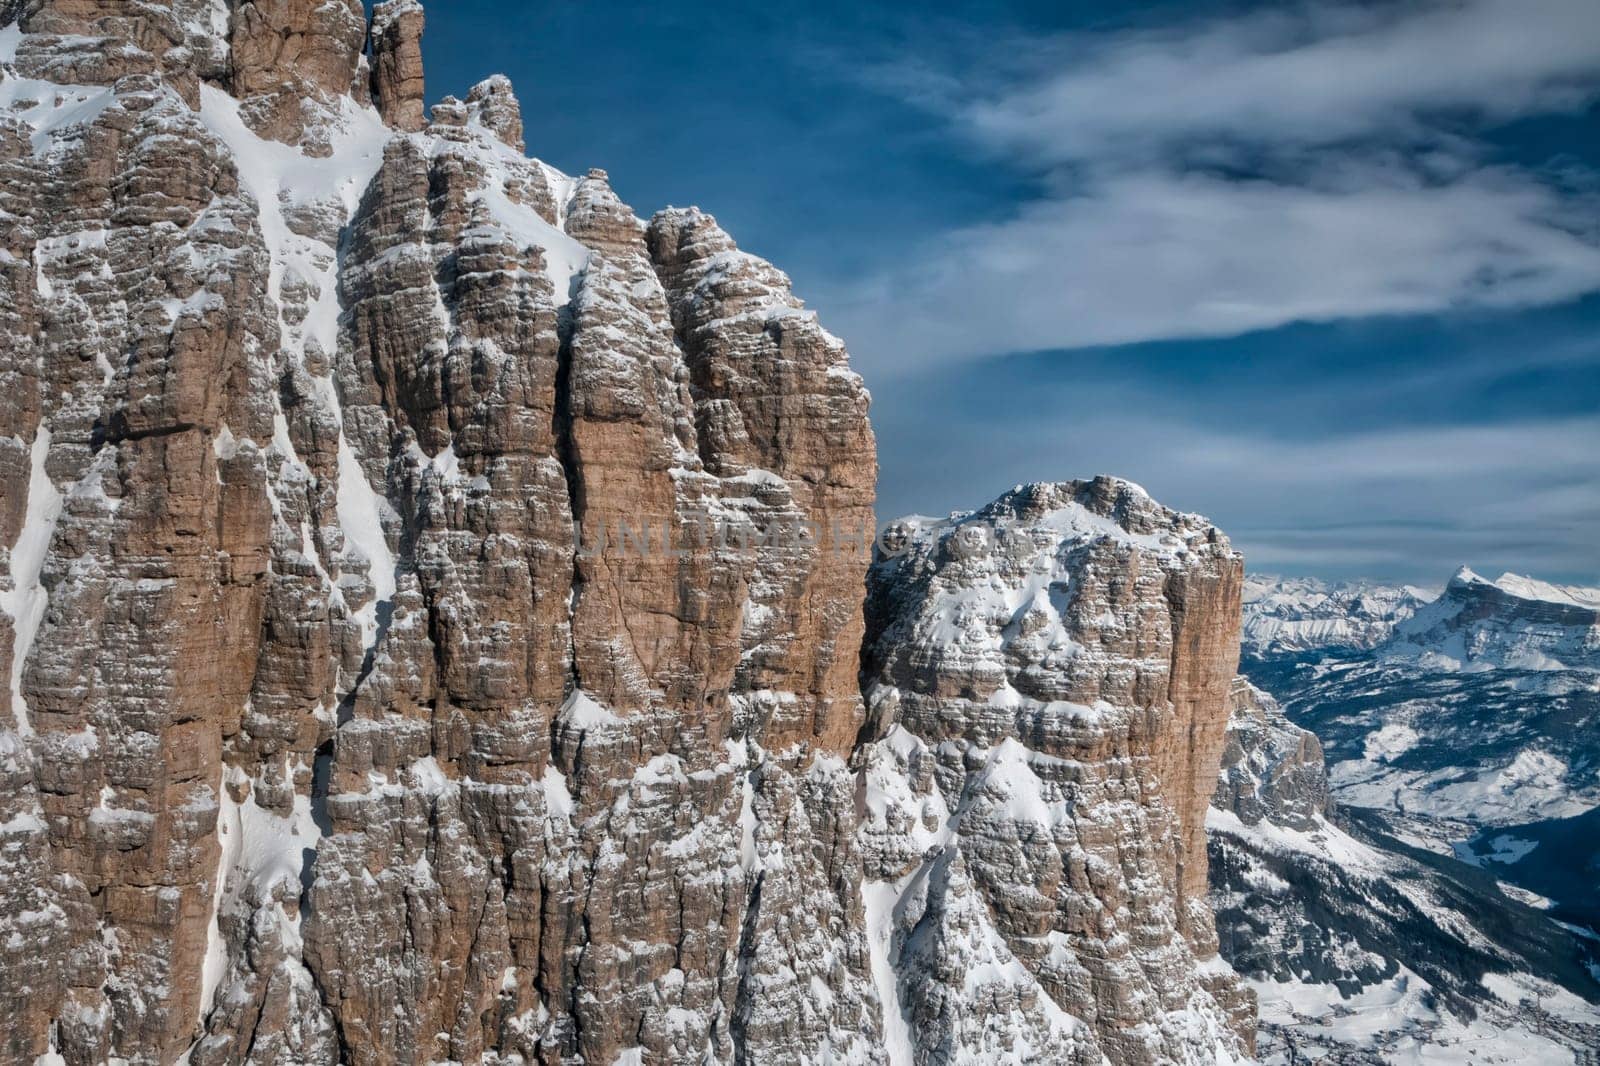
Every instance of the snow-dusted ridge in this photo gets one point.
(1472, 713)
(1465, 732)
(1532, 589)
(1305, 614)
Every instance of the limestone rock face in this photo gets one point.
(431, 609)
(1271, 768)
(97, 42)
(294, 63)
(331, 736)
(397, 82)
(1047, 679)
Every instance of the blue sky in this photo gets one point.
(1328, 273)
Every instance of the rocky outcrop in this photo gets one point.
(431, 614)
(136, 570)
(1048, 676)
(332, 741)
(397, 84)
(294, 64)
(497, 109)
(1271, 768)
(98, 42)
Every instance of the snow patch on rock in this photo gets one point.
(26, 599)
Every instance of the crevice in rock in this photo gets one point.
(742, 994)
(572, 474)
(115, 431)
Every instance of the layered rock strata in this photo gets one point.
(1047, 676)
(330, 740)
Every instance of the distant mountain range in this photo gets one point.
(1464, 776)
(1361, 948)
(1476, 710)
(1511, 623)
(1304, 614)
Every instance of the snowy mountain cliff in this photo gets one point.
(332, 730)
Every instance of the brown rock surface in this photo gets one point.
(396, 36)
(293, 62)
(97, 42)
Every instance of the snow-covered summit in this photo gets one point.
(1530, 589)
(1025, 584)
(1511, 622)
(1082, 511)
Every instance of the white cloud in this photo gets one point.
(1153, 255)
(1303, 75)
(1247, 173)
(1413, 502)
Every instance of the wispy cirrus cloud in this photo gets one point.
(1301, 74)
(1156, 254)
(1211, 179)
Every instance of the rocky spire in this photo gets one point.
(498, 110)
(397, 83)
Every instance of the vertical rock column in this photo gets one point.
(294, 64)
(782, 418)
(146, 334)
(1041, 679)
(397, 84)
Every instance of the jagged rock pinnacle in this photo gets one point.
(397, 77)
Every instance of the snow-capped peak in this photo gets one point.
(1513, 622)
(1531, 589)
